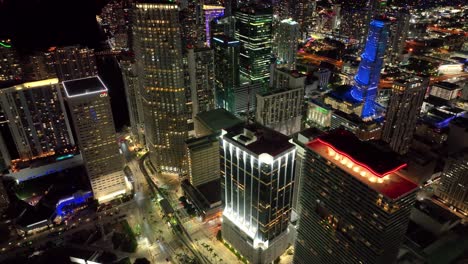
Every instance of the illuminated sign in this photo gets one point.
(103, 94)
(5, 45)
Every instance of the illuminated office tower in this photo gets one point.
(10, 68)
(257, 180)
(202, 79)
(368, 75)
(227, 75)
(303, 13)
(254, 30)
(72, 62)
(286, 43)
(403, 112)
(453, 185)
(355, 202)
(158, 51)
(209, 12)
(224, 26)
(398, 36)
(37, 120)
(131, 81)
(90, 109)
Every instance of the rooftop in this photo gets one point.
(447, 85)
(259, 139)
(378, 169)
(84, 86)
(218, 119)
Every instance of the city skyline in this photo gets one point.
(219, 132)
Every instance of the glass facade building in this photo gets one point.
(372, 60)
(257, 179)
(403, 112)
(355, 202)
(158, 51)
(254, 30)
(227, 78)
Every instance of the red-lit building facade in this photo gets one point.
(355, 202)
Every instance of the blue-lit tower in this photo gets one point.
(372, 59)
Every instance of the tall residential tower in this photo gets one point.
(355, 202)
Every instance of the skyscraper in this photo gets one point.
(398, 35)
(90, 109)
(131, 81)
(209, 12)
(303, 13)
(72, 62)
(403, 112)
(257, 179)
(203, 159)
(37, 119)
(10, 68)
(453, 185)
(281, 110)
(368, 75)
(254, 30)
(355, 202)
(202, 79)
(286, 43)
(158, 53)
(227, 78)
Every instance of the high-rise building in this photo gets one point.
(227, 75)
(72, 62)
(286, 43)
(200, 62)
(257, 179)
(403, 112)
(398, 35)
(355, 202)
(336, 19)
(281, 110)
(286, 79)
(158, 51)
(368, 75)
(131, 81)
(318, 114)
(37, 119)
(303, 13)
(245, 98)
(223, 26)
(203, 159)
(453, 185)
(254, 30)
(209, 12)
(36, 68)
(90, 109)
(10, 68)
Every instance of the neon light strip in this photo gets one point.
(359, 163)
(5, 45)
(95, 92)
